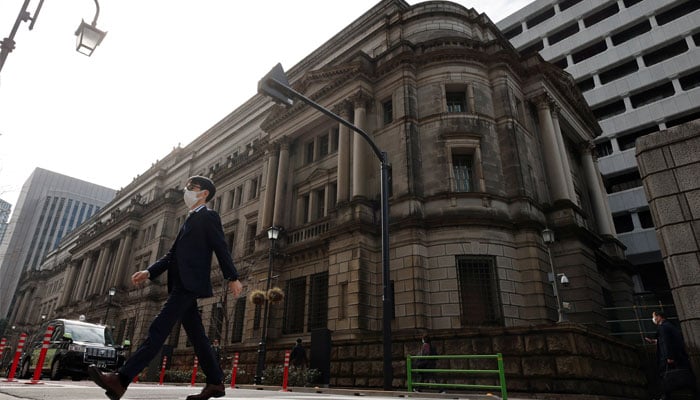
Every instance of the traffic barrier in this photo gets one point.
(194, 372)
(500, 372)
(234, 370)
(162, 370)
(3, 341)
(285, 378)
(42, 357)
(18, 353)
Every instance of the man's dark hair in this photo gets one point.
(660, 314)
(205, 184)
(299, 341)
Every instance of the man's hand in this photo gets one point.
(139, 277)
(669, 361)
(236, 287)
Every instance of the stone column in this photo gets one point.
(343, 186)
(270, 183)
(566, 166)
(95, 271)
(300, 210)
(326, 200)
(68, 285)
(559, 190)
(80, 287)
(360, 148)
(282, 176)
(103, 270)
(313, 200)
(598, 198)
(478, 170)
(113, 275)
(471, 100)
(123, 277)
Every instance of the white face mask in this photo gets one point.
(191, 198)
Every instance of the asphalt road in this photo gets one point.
(86, 390)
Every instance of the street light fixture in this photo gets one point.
(548, 238)
(273, 234)
(276, 85)
(112, 292)
(89, 37)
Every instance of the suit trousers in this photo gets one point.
(181, 305)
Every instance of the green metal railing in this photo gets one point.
(500, 372)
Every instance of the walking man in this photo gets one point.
(188, 263)
(672, 359)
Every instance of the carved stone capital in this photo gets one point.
(343, 109)
(361, 99)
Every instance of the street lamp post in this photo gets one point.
(272, 234)
(112, 292)
(89, 37)
(548, 237)
(276, 86)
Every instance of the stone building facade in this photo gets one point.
(669, 162)
(487, 149)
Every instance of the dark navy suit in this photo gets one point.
(188, 263)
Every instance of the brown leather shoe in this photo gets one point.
(208, 392)
(108, 381)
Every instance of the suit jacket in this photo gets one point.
(191, 253)
(670, 345)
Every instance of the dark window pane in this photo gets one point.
(618, 183)
(619, 71)
(645, 219)
(388, 110)
(295, 301)
(478, 291)
(598, 16)
(318, 301)
(563, 34)
(627, 141)
(664, 53)
(652, 95)
(238, 318)
(677, 12)
(564, 4)
(603, 149)
(456, 102)
(631, 32)
(513, 32)
(462, 169)
(538, 19)
(623, 223)
(590, 51)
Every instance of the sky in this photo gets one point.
(167, 71)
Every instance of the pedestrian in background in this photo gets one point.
(298, 356)
(672, 359)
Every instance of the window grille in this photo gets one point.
(456, 102)
(323, 146)
(388, 111)
(250, 239)
(257, 316)
(216, 321)
(462, 168)
(318, 301)
(478, 291)
(294, 306)
(238, 318)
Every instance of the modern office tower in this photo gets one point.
(5, 209)
(637, 63)
(50, 205)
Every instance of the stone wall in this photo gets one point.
(565, 359)
(669, 164)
